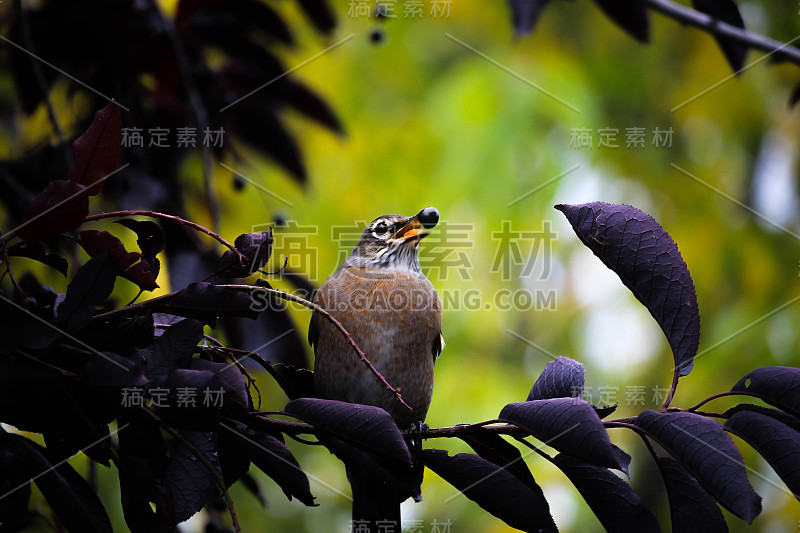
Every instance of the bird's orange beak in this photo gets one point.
(412, 231)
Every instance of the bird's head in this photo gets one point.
(391, 241)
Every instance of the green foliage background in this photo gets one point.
(430, 122)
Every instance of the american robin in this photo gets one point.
(393, 313)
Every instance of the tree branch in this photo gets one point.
(336, 323)
(280, 294)
(709, 24)
(292, 428)
(179, 220)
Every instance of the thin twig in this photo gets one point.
(533, 447)
(337, 324)
(195, 103)
(251, 381)
(772, 401)
(301, 301)
(707, 23)
(711, 414)
(173, 218)
(632, 427)
(279, 294)
(676, 374)
(645, 435)
(291, 427)
(203, 459)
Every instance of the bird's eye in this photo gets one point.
(381, 230)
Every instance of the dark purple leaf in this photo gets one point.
(613, 501)
(274, 458)
(251, 485)
(368, 441)
(135, 484)
(498, 491)
(35, 250)
(193, 379)
(320, 14)
(648, 262)
(707, 452)
(150, 236)
(130, 265)
(398, 482)
(15, 486)
(691, 508)
(777, 385)
(205, 302)
(630, 15)
(364, 425)
(142, 459)
(230, 378)
(112, 370)
(172, 350)
(256, 247)
(525, 13)
(561, 378)
(76, 433)
(90, 287)
(60, 208)
(780, 416)
(623, 459)
(603, 412)
(70, 497)
(295, 382)
(187, 479)
(726, 11)
(21, 330)
(97, 150)
(567, 424)
(497, 450)
(119, 333)
(775, 441)
(234, 459)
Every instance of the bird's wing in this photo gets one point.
(438, 346)
(313, 330)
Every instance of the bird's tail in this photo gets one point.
(376, 501)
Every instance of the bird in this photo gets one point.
(393, 313)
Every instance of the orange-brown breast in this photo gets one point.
(396, 320)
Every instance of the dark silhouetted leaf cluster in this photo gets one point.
(633, 17)
(72, 365)
(80, 368)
